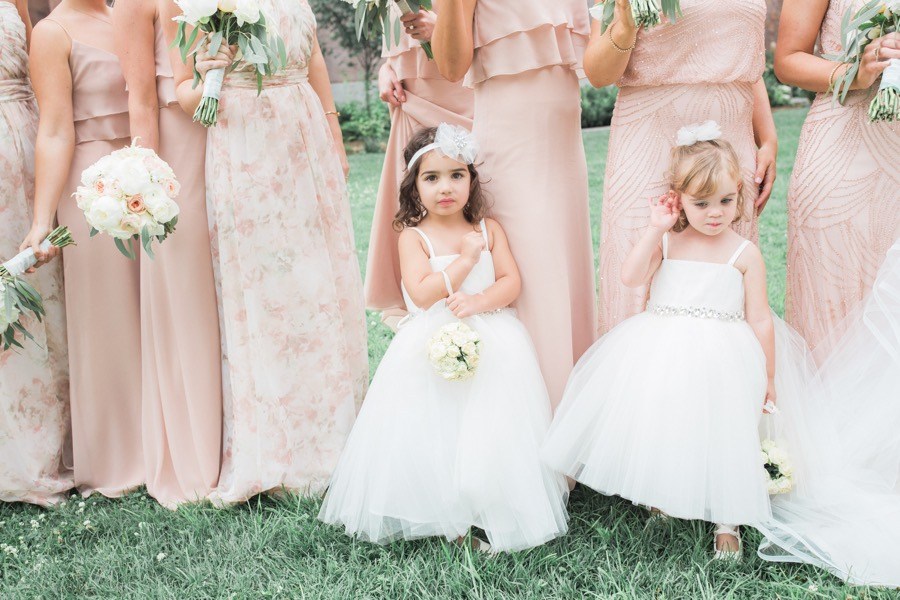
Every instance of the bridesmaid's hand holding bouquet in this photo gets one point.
(646, 13)
(373, 19)
(17, 297)
(871, 48)
(130, 194)
(238, 23)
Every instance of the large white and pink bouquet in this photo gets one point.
(455, 351)
(231, 22)
(872, 21)
(374, 19)
(130, 195)
(17, 297)
(646, 13)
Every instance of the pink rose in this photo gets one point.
(136, 204)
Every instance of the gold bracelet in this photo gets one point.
(613, 42)
(831, 77)
(333, 112)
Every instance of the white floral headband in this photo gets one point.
(453, 142)
(698, 132)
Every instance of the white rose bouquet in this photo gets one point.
(373, 19)
(232, 22)
(17, 297)
(646, 13)
(778, 468)
(454, 351)
(874, 20)
(130, 194)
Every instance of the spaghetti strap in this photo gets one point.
(484, 232)
(665, 245)
(61, 26)
(431, 253)
(738, 252)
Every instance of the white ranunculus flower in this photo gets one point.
(90, 175)
(132, 176)
(247, 11)
(460, 339)
(160, 206)
(227, 6)
(453, 351)
(195, 10)
(105, 214)
(85, 197)
(131, 223)
(438, 351)
(469, 349)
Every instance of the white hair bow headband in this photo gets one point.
(698, 132)
(453, 142)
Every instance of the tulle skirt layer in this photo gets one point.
(663, 411)
(429, 457)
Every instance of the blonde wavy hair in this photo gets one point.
(699, 169)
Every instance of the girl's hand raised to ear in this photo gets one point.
(665, 212)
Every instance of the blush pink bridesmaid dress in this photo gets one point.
(528, 123)
(34, 380)
(430, 100)
(842, 203)
(181, 353)
(699, 68)
(102, 293)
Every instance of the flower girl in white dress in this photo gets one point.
(435, 456)
(664, 409)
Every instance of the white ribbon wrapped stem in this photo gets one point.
(24, 260)
(891, 76)
(212, 84)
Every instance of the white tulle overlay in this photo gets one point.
(430, 457)
(664, 409)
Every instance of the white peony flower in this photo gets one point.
(90, 175)
(160, 206)
(196, 11)
(454, 351)
(105, 214)
(247, 11)
(227, 6)
(132, 175)
(470, 349)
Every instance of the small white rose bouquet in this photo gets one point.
(454, 351)
(231, 22)
(778, 468)
(130, 194)
(646, 13)
(17, 297)
(373, 19)
(873, 20)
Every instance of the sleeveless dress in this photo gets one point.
(102, 294)
(678, 74)
(292, 320)
(663, 410)
(182, 379)
(842, 202)
(430, 457)
(34, 380)
(430, 101)
(528, 123)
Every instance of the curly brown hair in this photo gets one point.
(412, 211)
(698, 169)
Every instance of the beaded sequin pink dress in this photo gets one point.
(842, 202)
(528, 122)
(430, 101)
(701, 67)
(34, 380)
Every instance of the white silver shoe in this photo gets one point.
(727, 554)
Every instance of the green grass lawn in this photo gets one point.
(132, 548)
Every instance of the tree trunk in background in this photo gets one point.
(772, 22)
(40, 9)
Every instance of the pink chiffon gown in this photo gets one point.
(34, 380)
(528, 123)
(430, 100)
(842, 203)
(102, 293)
(181, 352)
(699, 68)
(290, 294)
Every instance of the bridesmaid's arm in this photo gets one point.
(756, 308)
(135, 40)
(507, 284)
(22, 7)
(604, 64)
(55, 144)
(766, 138)
(795, 59)
(321, 84)
(453, 41)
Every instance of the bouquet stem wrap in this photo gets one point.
(405, 9)
(886, 105)
(21, 262)
(208, 110)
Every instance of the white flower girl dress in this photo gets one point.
(430, 457)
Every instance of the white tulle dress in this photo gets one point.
(664, 409)
(430, 457)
